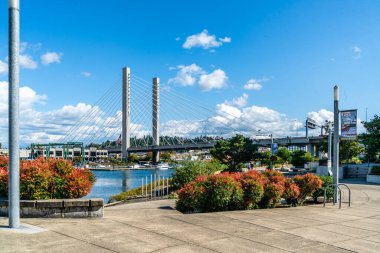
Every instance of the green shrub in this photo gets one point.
(300, 157)
(189, 171)
(48, 179)
(375, 170)
(307, 184)
(326, 180)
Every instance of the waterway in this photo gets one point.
(115, 181)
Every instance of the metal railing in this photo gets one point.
(159, 187)
(337, 190)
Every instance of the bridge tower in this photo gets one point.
(126, 108)
(156, 118)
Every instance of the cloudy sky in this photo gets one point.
(269, 64)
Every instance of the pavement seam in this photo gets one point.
(228, 234)
(99, 246)
(154, 232)
(291, 233)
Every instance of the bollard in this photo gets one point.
(167, 186)
(142, 186)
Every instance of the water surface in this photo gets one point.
(113, 182)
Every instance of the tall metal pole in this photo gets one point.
(156, 117)
(329, 148)
(336, 141)
(126, 118)
(13, 110)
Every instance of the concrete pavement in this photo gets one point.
(157, 227)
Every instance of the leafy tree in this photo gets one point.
(300, 157)
(234, 152)
(165, 156)
(132, 157)
(371, 139)
(285, 155)
(349, 150)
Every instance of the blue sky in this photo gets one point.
(295, 50)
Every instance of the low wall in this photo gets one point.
(373, 179)
(57, 208)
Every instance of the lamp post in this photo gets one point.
(336, 142)
(13, 110)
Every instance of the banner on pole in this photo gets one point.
(274, 148)
(349, 123)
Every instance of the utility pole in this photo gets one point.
(13, 110)
(336, 142)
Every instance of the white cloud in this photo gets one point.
(177, 39)
(321, 116)
(86, 74)
(51, 57)
(240, 101)
(253, 84)
(357, 52)
(215, 80)
(191, 74)
(204, 40)
(187, 75)
(3, 67)
(225, 40)
(27, 62)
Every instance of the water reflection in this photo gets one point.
(113, 182)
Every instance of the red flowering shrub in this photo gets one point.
(190, 197)
(219, 192)
(274, 187)
(47, 179)
(291, 192)
(248, 190)
(252, 184)
(307, 184)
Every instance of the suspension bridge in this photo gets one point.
(138, 116)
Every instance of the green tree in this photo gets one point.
(348, 150)
(285, 155)
(371, 139)
(234, 152)
(132, 158)
(165, 156)
(300, 157)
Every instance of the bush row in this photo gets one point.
(250, 190)
(48, 179)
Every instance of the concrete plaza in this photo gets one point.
(157, 227)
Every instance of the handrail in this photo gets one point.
(336, 187)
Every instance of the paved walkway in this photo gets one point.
(157, 227)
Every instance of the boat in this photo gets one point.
(162, 166)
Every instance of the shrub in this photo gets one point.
(189, 171)
(300, 157)
(190, 197)
(375, 170)
(291, 192)
(326, 180)
(307, 184)
(274, 187)
(252, 184)
(48, 178)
